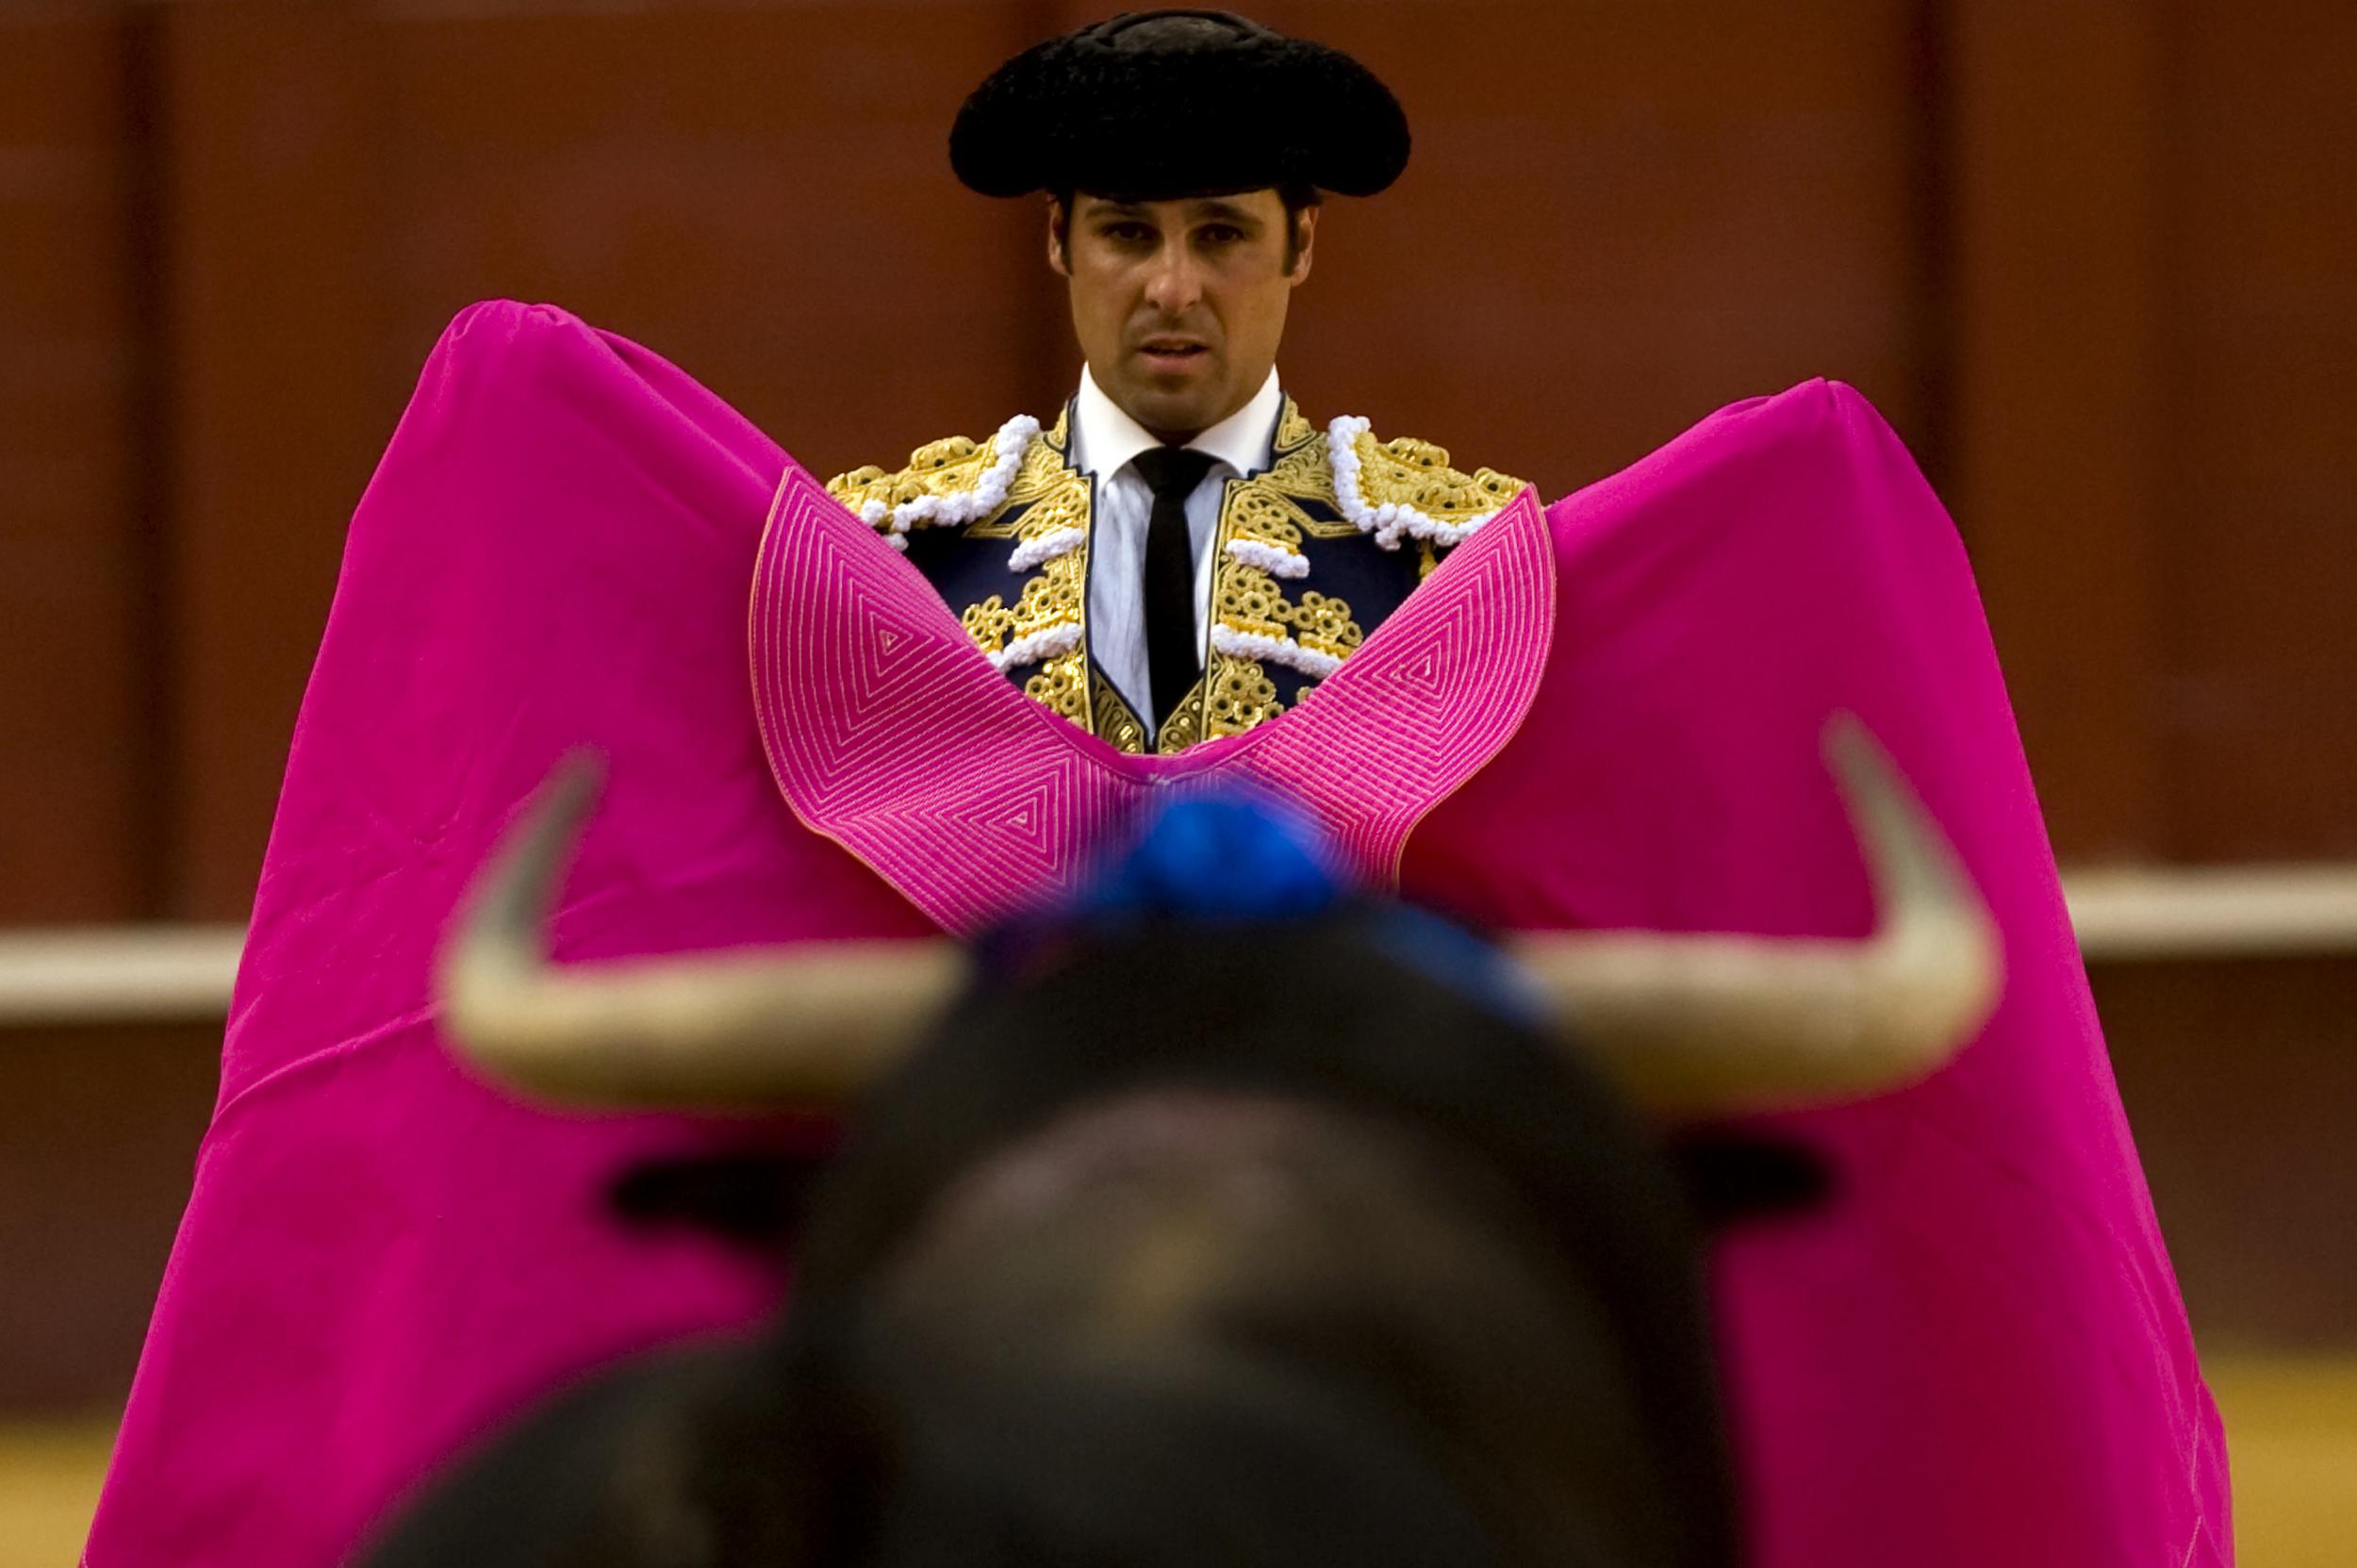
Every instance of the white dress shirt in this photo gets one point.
(1105, 444)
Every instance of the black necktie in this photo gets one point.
(1172, 662)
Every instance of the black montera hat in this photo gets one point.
(1155, 105)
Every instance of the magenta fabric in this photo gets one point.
(1605, 716)
(1980, 1356)
(888, 734)
(380, 1258)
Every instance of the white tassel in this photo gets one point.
(1031, 553)
(1274, 559)
(1239, 644)
(1038, 646)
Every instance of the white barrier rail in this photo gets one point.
(2143, 912)
(117, 974)
(161, 974)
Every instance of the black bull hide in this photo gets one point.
(1190, 1247)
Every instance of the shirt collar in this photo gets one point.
(1107, 439)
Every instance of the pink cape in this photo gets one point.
(1604, 715)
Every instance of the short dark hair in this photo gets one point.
(1299, 199)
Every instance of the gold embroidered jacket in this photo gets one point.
(1001, 529)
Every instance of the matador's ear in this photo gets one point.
(1059, 237)
(1304, 239)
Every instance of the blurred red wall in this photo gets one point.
(2092, 259)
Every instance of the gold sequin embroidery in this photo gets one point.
(1239, 696)
(1184, 726)
(1115, 723)
(1062, 685)
(1292, 502)
(1052, 499)
(1408, 472)
(951, 466)
(1249, 600)
(1268, 510)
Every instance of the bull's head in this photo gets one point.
(1201, 1244)
(1688, 1026)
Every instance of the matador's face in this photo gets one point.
(1179, 305)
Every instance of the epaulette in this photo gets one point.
(1405, 489)
(948, 482)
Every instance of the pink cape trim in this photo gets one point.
(890, 732)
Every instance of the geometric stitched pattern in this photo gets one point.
(888, 731)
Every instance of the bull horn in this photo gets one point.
(1696, 1025)
(764, 1027)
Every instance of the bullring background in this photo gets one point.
(2092, 257)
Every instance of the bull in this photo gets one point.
(1328, 1235)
